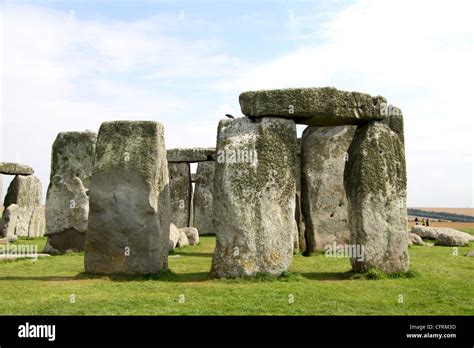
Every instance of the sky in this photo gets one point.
(71, 65)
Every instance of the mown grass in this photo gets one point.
(440, 283)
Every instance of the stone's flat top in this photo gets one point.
(325, 106)
(15, 169)
(193, 154)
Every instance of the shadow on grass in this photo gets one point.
(166, 276)
(328, 275)
(50, 278)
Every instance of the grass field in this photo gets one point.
(443, 285)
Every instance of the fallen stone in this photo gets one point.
(192, 234)
(451, 239)
(324, 202)
(183, 239)
(129, 227)
(180, 193)
(470, 254)
(254, 197)
(434, 232)
(15, 169)
(67, 201)
(375, 183)
(26, 192)
(415, 239)
(196, 154)
(203, 198)
(325, 106)
(11, 257)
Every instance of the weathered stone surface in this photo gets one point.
(325, 106)
(299, 242)
(434, 232)
(375, 183)
(15, 169)
(129, 227)
(323, 197)
(254, 197)
(470, 254)
(10, 221)
(203, 198)
(415, 239)
(67, 201)
(195, 154)
(192, 234)
(395, 122)
(26, 192)
(180, 193)
(37, 227)
(174, 236)
(450, 239)
(183, 239)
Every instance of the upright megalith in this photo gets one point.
(324, 203)
(67, 201)
(254, 197)
(129, 223)
(202, 211)
(375, 182)
(9, 222)
(26, 192)
(180, 193)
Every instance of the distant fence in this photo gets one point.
(440, 215)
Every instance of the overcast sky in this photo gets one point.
(71, 65)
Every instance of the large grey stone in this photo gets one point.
(415, 239)
(434, 232)
(192, 234)
(26, 192)
(449, 239)
(254, 197)
(174, 236)
(203, 198)
(180, 193)
(375, 183)
(67, 201)
(10, 222)
(323, 197)
(129, 227)
(15, 169)
(395, 121)
(195, 154)
(37, 227)
(325, 106)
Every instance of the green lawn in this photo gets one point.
(443, 285)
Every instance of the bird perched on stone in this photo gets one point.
(229, 116)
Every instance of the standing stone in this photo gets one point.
(67, 201)
(324, 203)
(26, 192)
(375, 182)
(10, 221)
(395, 121)
(129, 226)
(37, 227)
(180, 193)
(254, 197)
(300, 242)
(203, 198)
